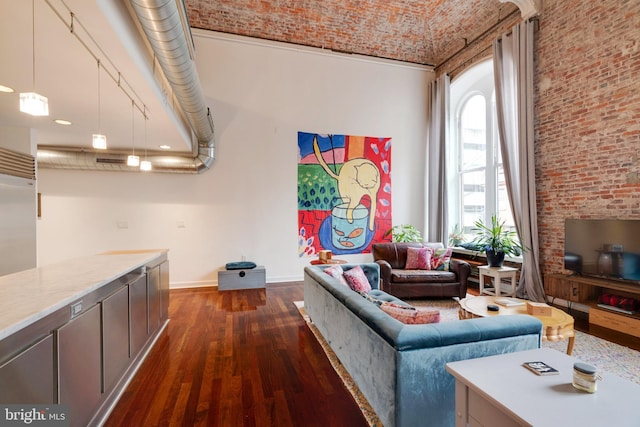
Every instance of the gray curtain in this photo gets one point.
(513, 71)
(436, 173)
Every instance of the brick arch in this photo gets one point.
(528, 8)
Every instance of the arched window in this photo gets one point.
(477, 188)
(473, 158)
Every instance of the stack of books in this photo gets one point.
(509, 302)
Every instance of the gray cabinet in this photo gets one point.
(79, 364)
(164, 291)
(115, 336)
(153, 294)
(157, 295)
(29, 376)
(138, 314)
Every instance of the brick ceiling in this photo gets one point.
(417, 31)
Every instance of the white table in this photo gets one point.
(497, 273)
(498, 391)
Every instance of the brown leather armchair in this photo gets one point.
(402, 283)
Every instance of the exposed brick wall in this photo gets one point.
(418, 31)
(587, 117)
(478, 49)
(587, 114)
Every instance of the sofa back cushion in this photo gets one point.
(395, 253)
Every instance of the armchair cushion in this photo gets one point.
(417, 276)
(440, 259)
(418, 259)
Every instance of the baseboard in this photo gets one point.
(214, 283)
(186, 285)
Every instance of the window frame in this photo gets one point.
(477, 80)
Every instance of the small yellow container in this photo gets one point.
(585, 377)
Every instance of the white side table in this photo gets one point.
(497, 273)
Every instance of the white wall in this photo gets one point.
(261, 95)
(18, 139)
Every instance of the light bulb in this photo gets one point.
(34, 104)
(133, 160)
(99, 142)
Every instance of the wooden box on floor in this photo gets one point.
(254, 278)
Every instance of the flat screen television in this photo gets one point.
(606, 248)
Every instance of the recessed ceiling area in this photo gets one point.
(418, 31)
(66, 72)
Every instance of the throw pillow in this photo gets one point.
(240, 265)
(441, 258)
(357, 280)
(336, 272)
(418, 259)
(411, 315)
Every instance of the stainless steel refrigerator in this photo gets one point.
(18, 218)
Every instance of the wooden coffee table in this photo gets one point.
(558, 326)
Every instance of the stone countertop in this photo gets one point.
(30, 295)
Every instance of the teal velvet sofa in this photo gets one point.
(399, 368)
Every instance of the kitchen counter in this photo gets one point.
(30, 295)
(75, 332)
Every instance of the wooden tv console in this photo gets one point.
(586, 290)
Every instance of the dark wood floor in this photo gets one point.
(236, 358)
(246, 358)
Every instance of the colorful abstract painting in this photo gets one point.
(344, 193)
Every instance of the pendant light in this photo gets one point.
(98, 140)
(32, 102)
(145, 165)
(133, 160)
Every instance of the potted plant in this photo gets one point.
(404, 233)
(496, 241)
(456, 237)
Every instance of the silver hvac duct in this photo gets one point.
(165, 25)
(167, 29)
(55, 157)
